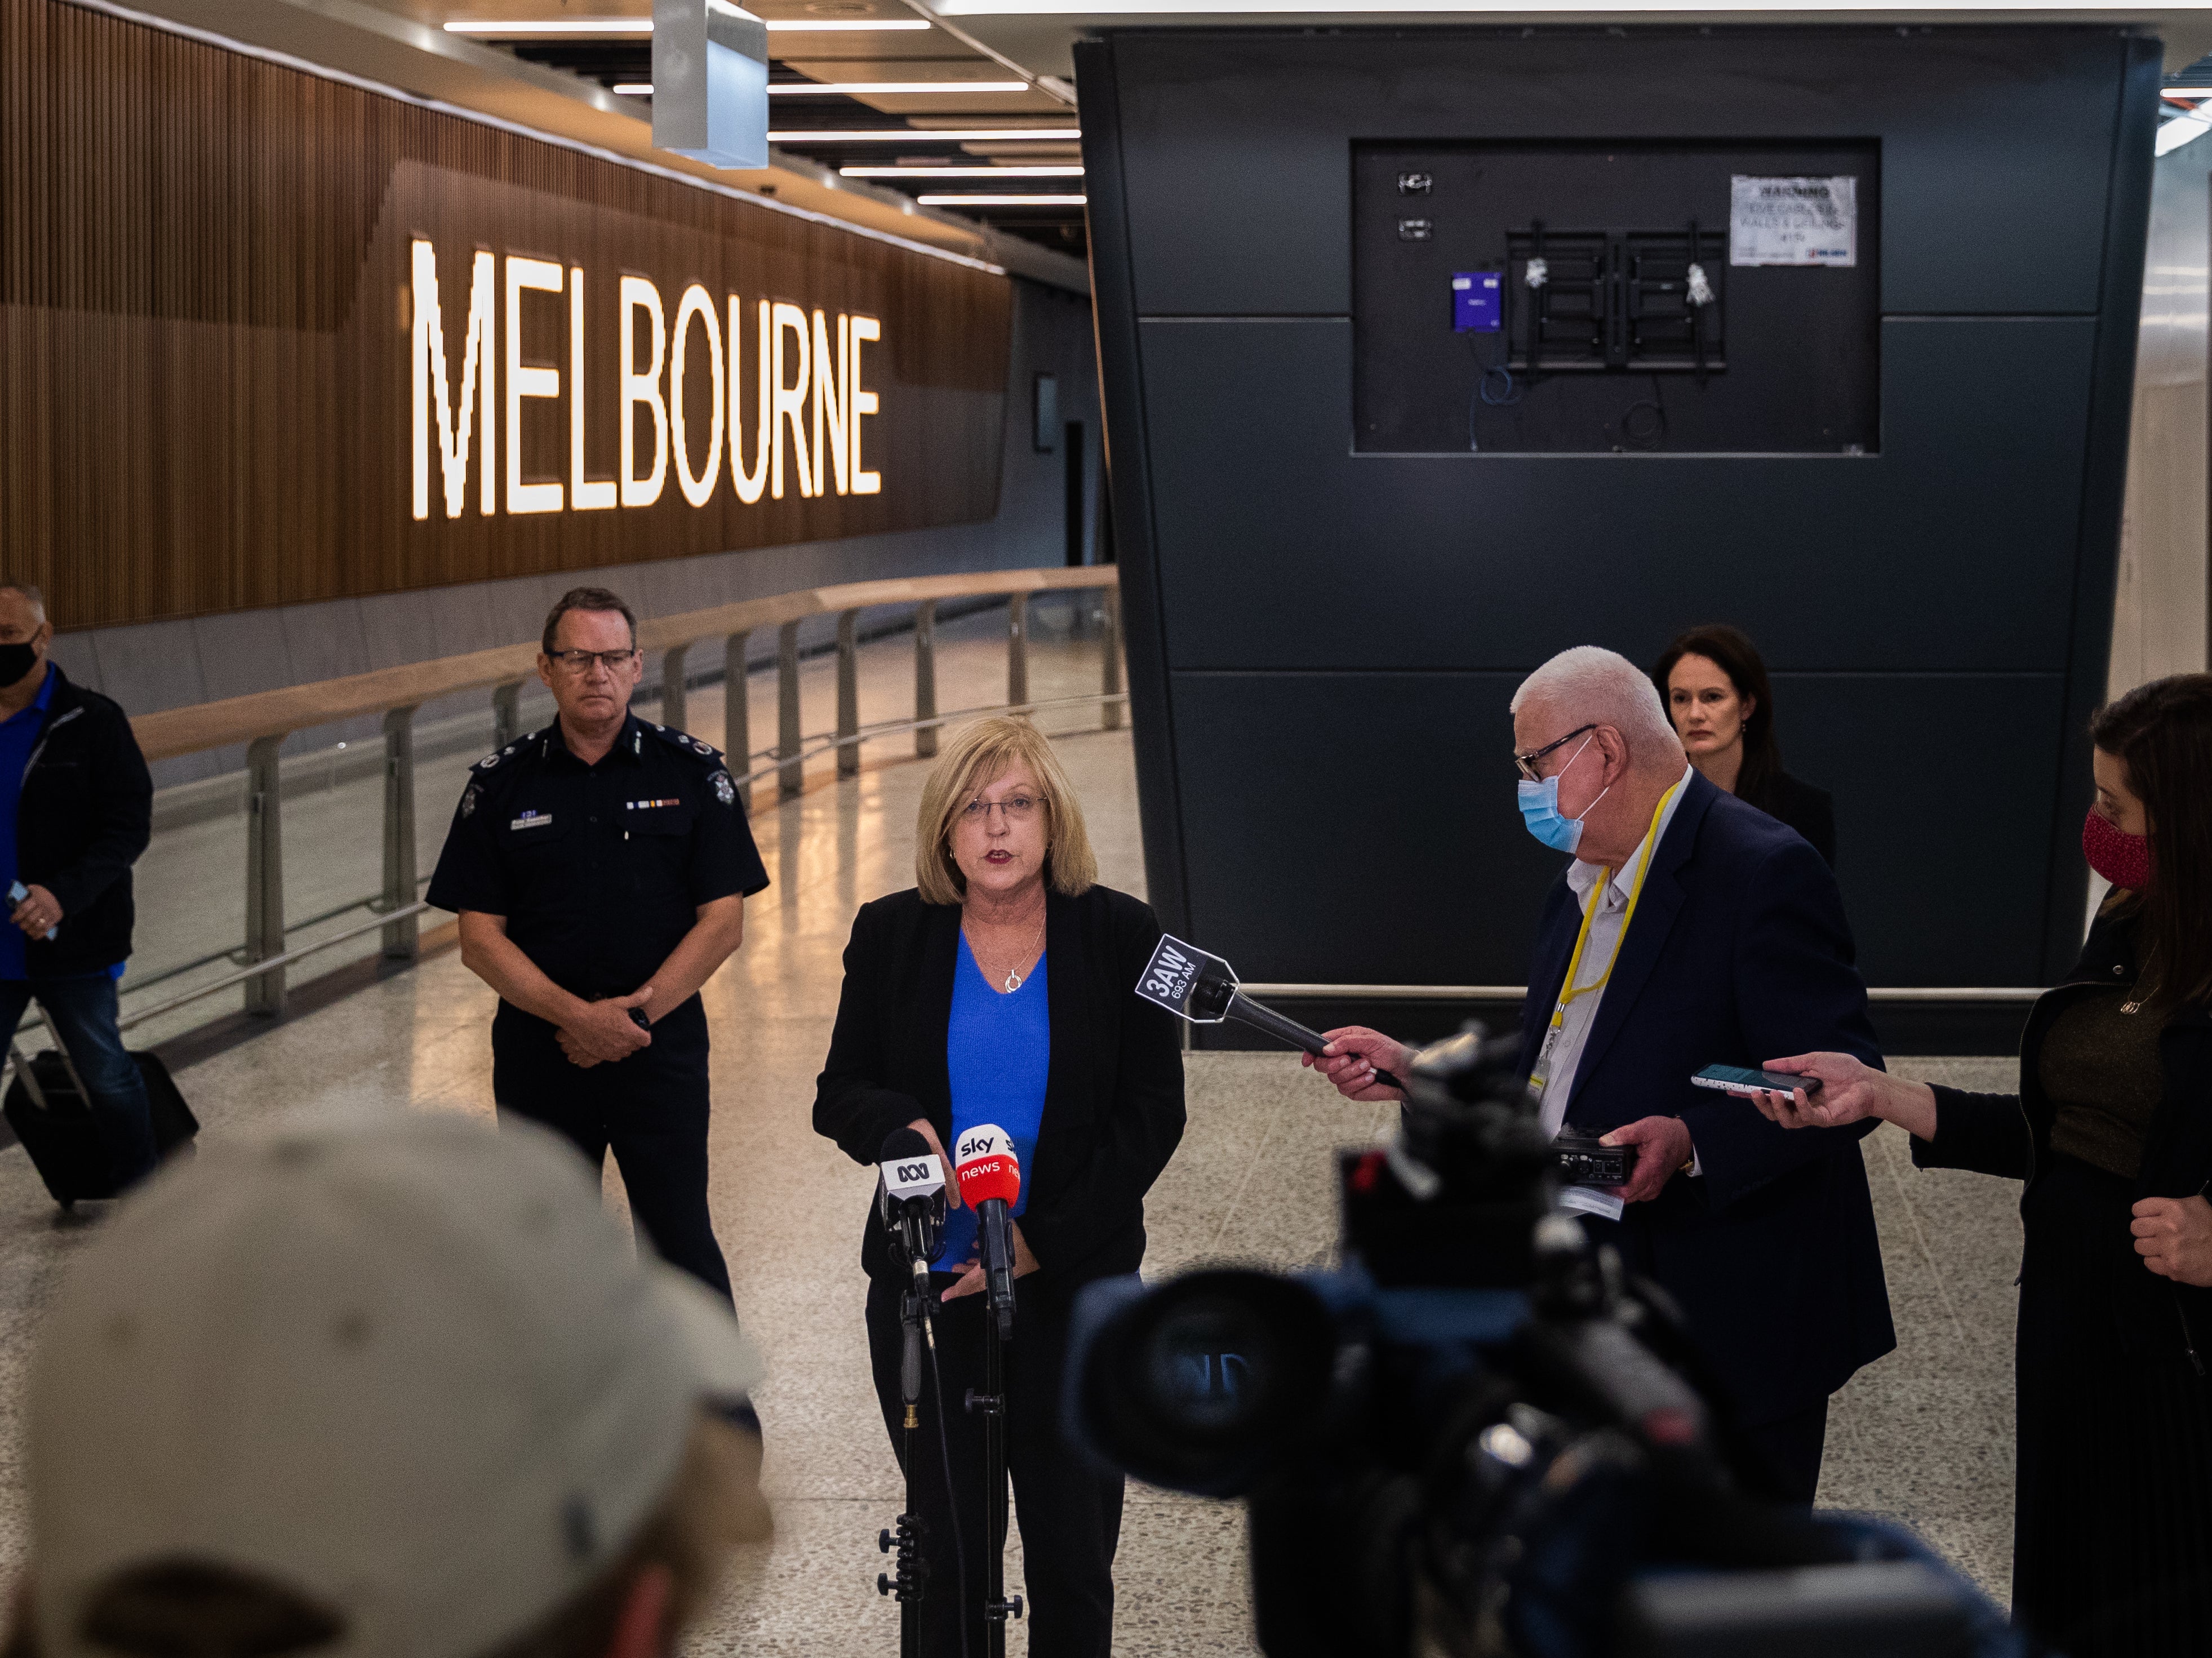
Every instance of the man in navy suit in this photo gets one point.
(1699, 932)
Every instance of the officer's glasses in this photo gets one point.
(1017, 809)
(579, 662)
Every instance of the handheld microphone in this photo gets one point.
(911, 1198)
(990, 1177)
(1202, 989)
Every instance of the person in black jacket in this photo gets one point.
(76, 809)
(1715, 691)
(2111, 1133)
(1001, 990)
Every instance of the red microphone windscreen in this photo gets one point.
(983, 1162)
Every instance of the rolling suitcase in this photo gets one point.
(45, 1105)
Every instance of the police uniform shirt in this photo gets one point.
(600, 869)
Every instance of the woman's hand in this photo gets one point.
(1850, 1092)
(971, 1277)
(1355, 1053)
(2174, 1237)
(928, 1130)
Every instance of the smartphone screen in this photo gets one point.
(1737, 1075)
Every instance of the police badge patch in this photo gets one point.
(469, 800)
(724, 789)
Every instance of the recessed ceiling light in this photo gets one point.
(1001, 201)
(864, 89)
(1069, 172)
(914, 135)
(633, 88)
(821, 25)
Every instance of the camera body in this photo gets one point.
(1478, 1437)
(1583, 1160)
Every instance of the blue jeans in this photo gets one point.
(81, 1012)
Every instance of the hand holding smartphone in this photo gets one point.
(17, 894)
(1744, 1083)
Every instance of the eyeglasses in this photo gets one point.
(581, 661)
(1019, 809)
(1526, 764)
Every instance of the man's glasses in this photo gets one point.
(1527, 763)
(1019, 809)
(581, 662)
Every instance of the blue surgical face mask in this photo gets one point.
(1539, 808)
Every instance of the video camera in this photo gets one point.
(1479, 1438)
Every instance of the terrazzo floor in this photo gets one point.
(1925, 1435)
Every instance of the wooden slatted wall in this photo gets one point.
(205, 335)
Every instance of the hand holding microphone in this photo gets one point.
(1356, 1059)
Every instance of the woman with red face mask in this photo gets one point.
(2111, 1132)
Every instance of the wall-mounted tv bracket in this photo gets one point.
(1633, 301)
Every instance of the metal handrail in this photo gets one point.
(826, 741)
(265, 720)
(1519, 993)
(290, 955)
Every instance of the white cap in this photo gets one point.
(407, 1366)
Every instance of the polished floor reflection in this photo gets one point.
(1925, 1435)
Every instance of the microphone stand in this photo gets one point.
(993, 1226)
(914, 1238)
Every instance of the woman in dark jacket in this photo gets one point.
(1715, 691)
(2111, 1132)
(1001, 990)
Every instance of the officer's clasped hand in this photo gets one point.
(605, 1032)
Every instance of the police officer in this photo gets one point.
(600, 869)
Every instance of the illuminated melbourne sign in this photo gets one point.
(805, 424)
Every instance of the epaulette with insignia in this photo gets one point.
(498, 757)
(684, 742)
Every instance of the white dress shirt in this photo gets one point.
(1596, 964)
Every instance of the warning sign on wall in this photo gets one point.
(1793, 221)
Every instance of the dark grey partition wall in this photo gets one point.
(1323, 640)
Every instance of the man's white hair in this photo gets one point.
(1589, 685)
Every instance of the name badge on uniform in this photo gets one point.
(532, 819)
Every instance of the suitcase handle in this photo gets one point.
(30, 1078)
(37, 1095)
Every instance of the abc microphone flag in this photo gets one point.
(984, 1164)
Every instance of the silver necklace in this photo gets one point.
(1013, 980)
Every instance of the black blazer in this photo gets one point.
(1810, 811)
(1738, 954)
(85, 814)
(1113, 1098)
(2009, 1134)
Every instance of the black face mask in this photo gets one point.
(16, 661)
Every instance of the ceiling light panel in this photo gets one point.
(921, 135)
(540, 28)
(905, 89)
(968, 199)
(961, 171)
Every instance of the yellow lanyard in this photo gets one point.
(1569, 991)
